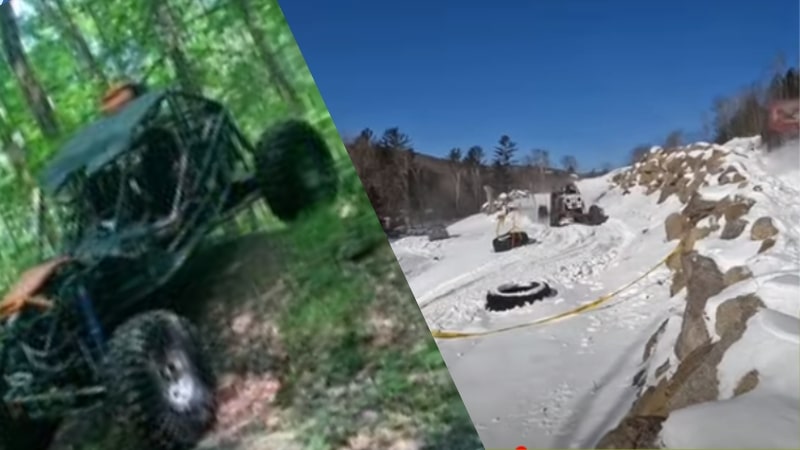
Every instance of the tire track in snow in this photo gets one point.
(587, 254)
(477, 274)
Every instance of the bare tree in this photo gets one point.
(639, 152)
(674, 139)
(457, 169)
(569, 163)
(474, 161)
(397, 168)
(541, 161)
(741, 115)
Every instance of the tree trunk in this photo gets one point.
(108, 54)
(458, 191)
(60, 16)
(477, 186)
(170, 35)
(17, 157)
(34, 93)
(267, 55)
(542, 184)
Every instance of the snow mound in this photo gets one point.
(765, 417)
(732, 358)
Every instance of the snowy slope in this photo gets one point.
(566, 384)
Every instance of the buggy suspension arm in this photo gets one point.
(176, 201)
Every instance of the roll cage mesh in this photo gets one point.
(172, 175)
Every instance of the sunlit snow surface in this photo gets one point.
(566, 384)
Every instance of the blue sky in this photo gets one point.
(589, 78)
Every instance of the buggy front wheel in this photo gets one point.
(294, 168)
(159, 381)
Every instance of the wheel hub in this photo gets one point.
(182, 388)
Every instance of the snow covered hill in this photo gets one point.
(703, 351)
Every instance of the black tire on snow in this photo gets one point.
(555, 215)
(23, 433)
(596, 216)
(543, 213)
(514, 295)
(294, 168)
(141, 354)
(507, 241)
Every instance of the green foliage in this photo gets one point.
(330, 298)
(226, 61)
(344, 276)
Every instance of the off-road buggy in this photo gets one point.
(139, 191)
(567, 206)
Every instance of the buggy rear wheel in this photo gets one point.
(294, 168)
(159, 381)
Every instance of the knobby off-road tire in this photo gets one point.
(24, 434)
(159, 381)
(294, 168)
(543, 213)
(596, 216)
(555, 212)
(514, 295)
(508, 241)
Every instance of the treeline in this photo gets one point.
(747, 114)
(743, 114)
(408, 186)
(412, 187)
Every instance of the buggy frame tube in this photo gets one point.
(95, 330)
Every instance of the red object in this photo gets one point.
(784, 116)
(522, 447)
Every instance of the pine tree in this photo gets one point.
(504, 154)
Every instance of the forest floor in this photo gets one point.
(318, 344)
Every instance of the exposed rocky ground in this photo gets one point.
(720, 203)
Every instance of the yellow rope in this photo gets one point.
(444, 334)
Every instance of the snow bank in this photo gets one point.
(753, 369)
(767, 416)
